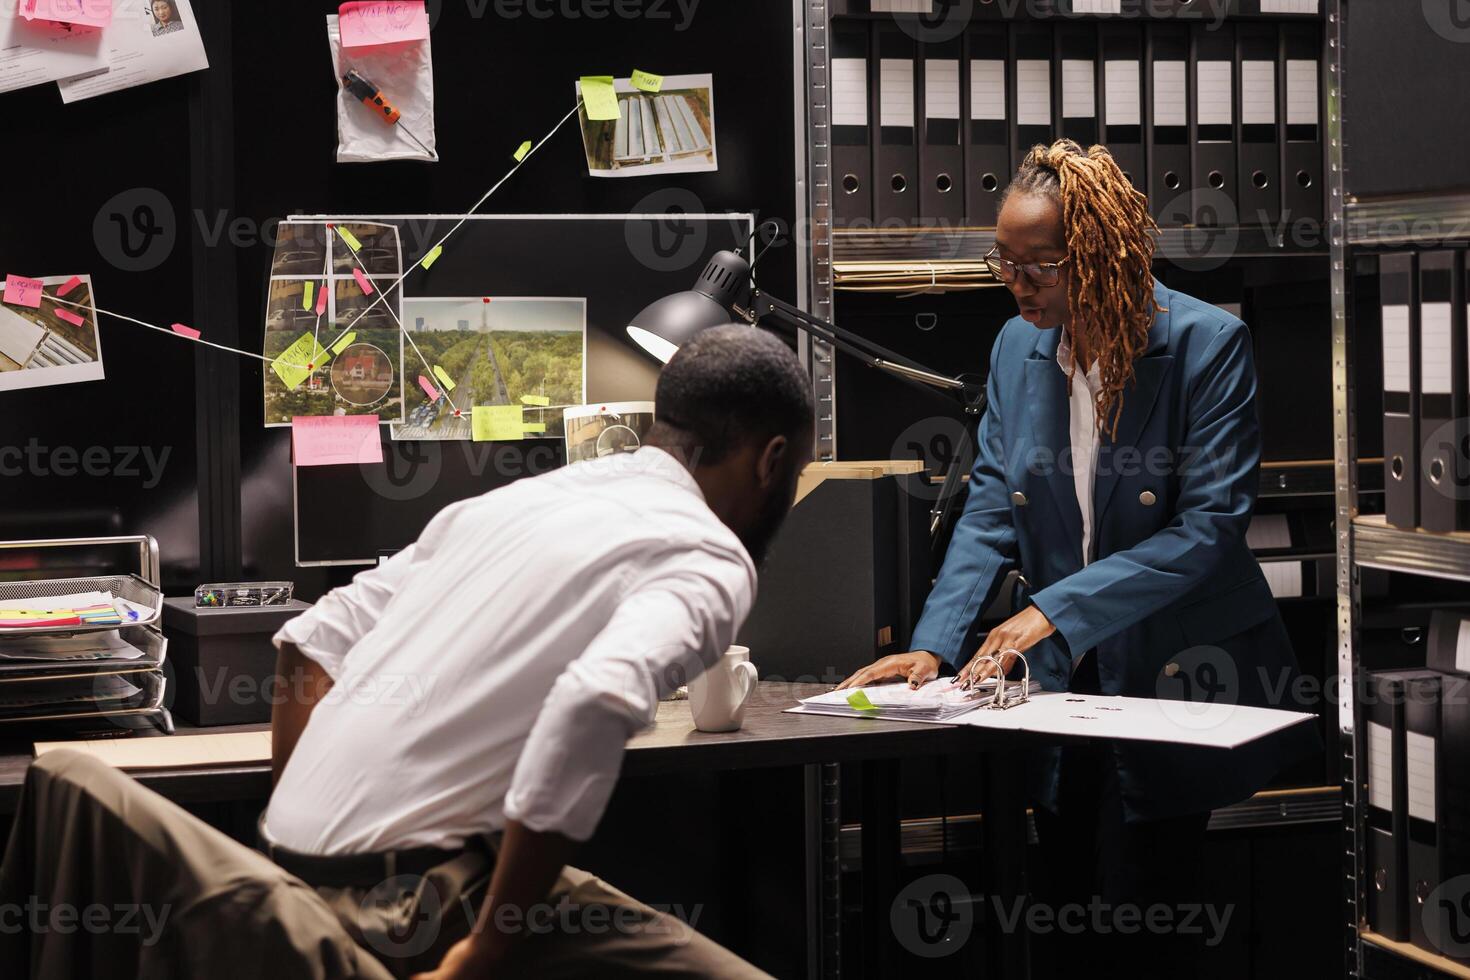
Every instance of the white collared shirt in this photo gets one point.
(495, 669)
(1084, 437)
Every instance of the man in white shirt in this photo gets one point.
(455, 719)
(539, 625)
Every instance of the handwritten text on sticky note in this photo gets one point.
(86, 13)
(298, 361)
(497, 423)
(20, 291)
(599, 97)
(382, 22)
(647, 81)
(333, 440)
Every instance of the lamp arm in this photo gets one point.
(970, 394)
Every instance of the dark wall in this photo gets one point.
(503, 73)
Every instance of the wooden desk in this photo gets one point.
(770, 738)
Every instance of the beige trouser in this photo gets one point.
(104, 878)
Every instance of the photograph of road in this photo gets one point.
(42, 347)
(370, 383)
(497, 351)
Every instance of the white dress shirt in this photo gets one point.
(1084, 437)
(495, 669)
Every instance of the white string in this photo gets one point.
(97, 311)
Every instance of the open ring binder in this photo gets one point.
(1005, 695)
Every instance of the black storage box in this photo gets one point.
(222, 662)
(847, 576)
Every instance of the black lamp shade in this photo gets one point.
(667, 324)
(670, 323)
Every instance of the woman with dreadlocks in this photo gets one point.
(1117, 468)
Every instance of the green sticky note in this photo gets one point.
(600, 98)
(520, 153)
(349, 238)
(859, 700)
(298, 361)
(341, 345)
(443, 376)
(647, 81)
(537, 429)
(538, 400)
(306, 296)
(497, 423)
(432, 257)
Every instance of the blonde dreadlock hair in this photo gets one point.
(1110, 246)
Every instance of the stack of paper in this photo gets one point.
(89, 646)
(82, 609)
(937, 701)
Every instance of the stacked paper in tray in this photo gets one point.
(938, 700)
(83, 610)
(71, 649)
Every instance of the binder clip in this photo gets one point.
(1005, 697)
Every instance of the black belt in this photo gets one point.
(365, 870)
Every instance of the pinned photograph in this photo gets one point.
(332, 337)
(48, 333)
(478, 352)
(599, 431)
(671, 131)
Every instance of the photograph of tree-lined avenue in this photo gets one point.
(496, 351)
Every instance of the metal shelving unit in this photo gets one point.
(1369, 541)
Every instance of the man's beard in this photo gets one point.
(777, 505)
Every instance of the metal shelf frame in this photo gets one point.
(1369, 541)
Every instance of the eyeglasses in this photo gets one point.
(1040, 274)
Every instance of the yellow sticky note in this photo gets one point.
(497, 423)
(600, 98)
(347, 339)
(859, 700)
(432, 257)
(537, 429)
(350, 239)
(647, 81)
(306, 296)
(444, 377)
(522, 151)
(296, 364)
(538, 400)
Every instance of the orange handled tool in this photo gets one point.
(370, 96)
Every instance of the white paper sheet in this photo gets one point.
(36, 52)
(1222, 726)
(141, 50)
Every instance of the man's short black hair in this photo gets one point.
(731, 386)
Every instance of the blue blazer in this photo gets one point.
(1173, 604)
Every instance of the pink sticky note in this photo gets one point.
(382, 22)
(87, 13)
(331, 440)
(189, 332)
(71, 318)
(429, 388)
(321, 300)
(20, 291)
(362, 281)
(70, 284)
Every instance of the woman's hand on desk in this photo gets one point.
(917, 667)
(1020, 633)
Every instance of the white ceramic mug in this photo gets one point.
(718, 696)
